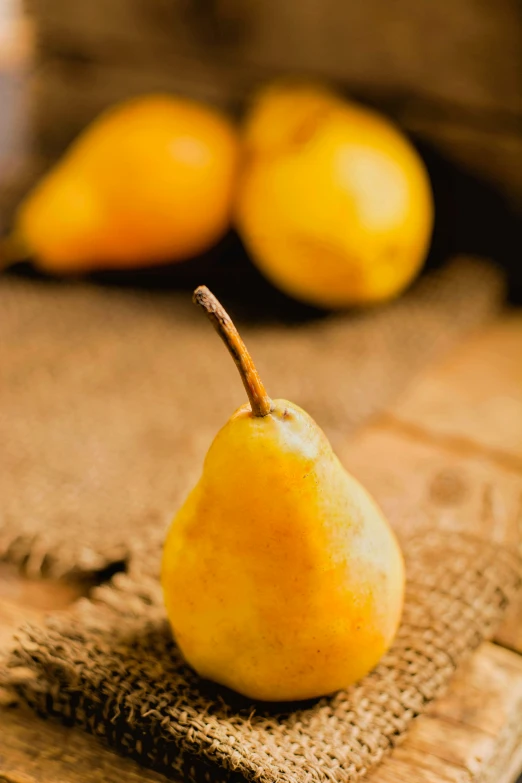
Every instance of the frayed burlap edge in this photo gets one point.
(113, 669)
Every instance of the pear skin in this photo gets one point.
(333, 202)
(150, 181)
(282, 579)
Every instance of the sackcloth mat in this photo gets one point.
(113, 669)
(109, 399)
(107, 405)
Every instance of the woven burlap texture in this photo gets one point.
(108, 403)
(114, 670)
(109, 400)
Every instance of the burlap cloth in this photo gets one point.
(108, 401)
(114, 670)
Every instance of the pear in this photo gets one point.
(333, 202)
(281, 577)
(150, 181)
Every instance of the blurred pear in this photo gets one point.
(334, 203)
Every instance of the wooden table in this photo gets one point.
(451, 444)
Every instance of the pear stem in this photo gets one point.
(260, 402)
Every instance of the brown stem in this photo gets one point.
(259, 400)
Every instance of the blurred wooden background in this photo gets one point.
(450, 73)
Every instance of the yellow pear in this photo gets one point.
(334, 204)
(150, 181)
(281, 577)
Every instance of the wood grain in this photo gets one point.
(42, 751)
(419, 483)
(474, 396)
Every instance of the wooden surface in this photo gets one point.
(453, 445)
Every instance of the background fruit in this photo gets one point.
(334, 203)
(150, 181)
